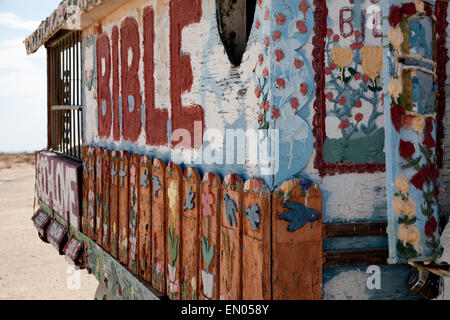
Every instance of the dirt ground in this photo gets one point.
(29, 268)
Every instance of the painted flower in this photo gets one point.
(395, 16)
(409, 234)
(281, 83)
(304, 88)
(342, 57)
(395, 87)
(294, 103)
(172, 194)
(418, 180)
(301, 26)
(193, 283)
(276, 35)
(281, 19)
(406, 149)
(275, 113)
(267, 41)
(358, 117)
(257, 92)
(409, 207)
(329, 95)
(287, 186)
(257, 23)
(401, 184)
(365, 78)
(266, 14)
(397, 205)
(397, 116)
(305, 184)
(298, 63)
(329, 32)
(265, 73)
(428, 140)
(372, 61)
(357, 76)
(279, 54)
(430, 227)
(395, 36)
(336, 38)
(133, 175)
(207, 201)
(260, 59)
(418, 123)
(358, 104)
(344, 124)
(342, 100)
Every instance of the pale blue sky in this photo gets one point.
(23, 86)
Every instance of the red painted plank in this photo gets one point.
(98, 196)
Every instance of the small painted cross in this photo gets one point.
(122, 173)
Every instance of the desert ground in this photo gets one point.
(31, 269)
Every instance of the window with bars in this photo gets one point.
(64, 94)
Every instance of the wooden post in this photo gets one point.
(158, 225)
(209, 271)
(90, 216)
(190, 234)
(98, 196)
(123, 176)
(174, 181)
(106, 156)
(145, 218)
(84, 193)
(114, 203)
(256, 269)
(297, 240)
(231, 238)
(133, 236)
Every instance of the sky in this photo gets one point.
(23, 78)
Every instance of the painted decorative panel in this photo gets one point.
(145, 218)
(133, 237)
(231, 238)
(190, 234)
(98, 196)
(349, 108)
(106, 158)
(297, 240)
(124, 215)
(114, 203)
(411, 122)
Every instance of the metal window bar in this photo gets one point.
(65, 96)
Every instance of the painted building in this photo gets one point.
(211, 136)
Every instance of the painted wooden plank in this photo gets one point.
(354, 229)
(209, 273)
(297, 240)
(231, 238)
(256, 256)
(174, 181)
(145, 218)
(114, 203)
(190, 234)
(98, 196)
(133, 236)
(373, 256)
(90, 224)
(123, 176)
(106, 158)
(158, 225)
(84, 192)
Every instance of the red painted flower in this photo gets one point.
(298, 63)
(294, 103)
(261, 59)
(358, 104)
(275, 113)
(344, 124)
(430, 227)
(365, 78)
(279, 54)
(395, 16)
(342, 100)
(409, 9)
(304, 88)
(260, 3)
(276, 35)
(267, 42)
(267, 105)
(281, 19)
(266, 14)
(260, 117)
(357, 76)
(418, 180)
(301, 26)
(281, 83)
(406, 149)
(356, 46)
(336, 38)
(428, 140)
(303, 7)
(257, 23)
(358, 117)
(329, 32)
(329, 95)
(397, 116)
(265, 73)
(357, 34)
(333, 66)
(257, 92)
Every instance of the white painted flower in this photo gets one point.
(409, 207)
(401, 184)
(395, 36)
(395, 87)
(409, 234)
(418, 123)
(397, 205)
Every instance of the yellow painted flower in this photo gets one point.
(395, 87)
(172, 193)
(409, 207)
(401, 184)
(395, 36)
(409, 234)
(372, 61)
(418, 123)
(287, 186)
(342, 57)
(420, 7)
(194, 283)
(398, 205)
(114, 227)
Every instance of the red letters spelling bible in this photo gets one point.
(183, 13)
(103, 93)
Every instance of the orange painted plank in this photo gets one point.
(90, 223)
(174, 183)
(256, 277)
(145, 218)
(123, 176)
(190, 234)
(158, 225)
(84, 193)
(106, 157)
(209, 273)
(98, 196)
(133, 236)
(297, 240)
(231, 238)
(114, 203)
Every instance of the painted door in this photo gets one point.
(412, 111)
